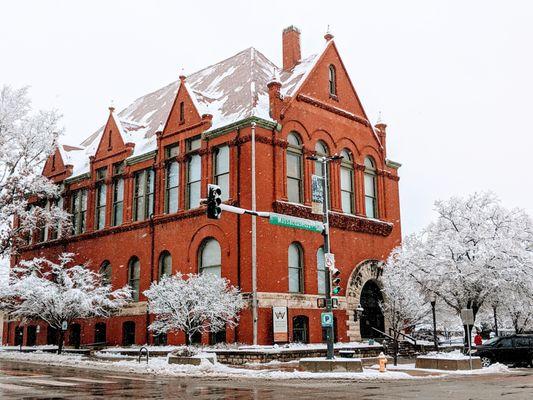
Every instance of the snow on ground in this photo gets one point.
(160, 366)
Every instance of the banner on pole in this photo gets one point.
(317, 200)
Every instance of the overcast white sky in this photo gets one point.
(453, 79)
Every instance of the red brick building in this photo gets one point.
(134, 186)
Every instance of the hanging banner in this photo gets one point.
(317, 200)
(279, 324)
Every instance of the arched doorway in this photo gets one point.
(31, 336)
(364, 291)
(372, 315)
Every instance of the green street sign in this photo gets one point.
(295, 222)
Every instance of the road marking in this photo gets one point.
(85, 380)
(49, 382)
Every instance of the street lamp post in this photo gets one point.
(325, 160)
(433, 301)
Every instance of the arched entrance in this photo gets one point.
(372, 317)
(364, 291)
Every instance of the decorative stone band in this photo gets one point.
(341, 221)
(332, 109)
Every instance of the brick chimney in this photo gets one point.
(291, 47)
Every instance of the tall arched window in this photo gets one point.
(347, 185)
(165, 264)
(296, 278)
(332, 75)
(210, 258)
(371, 204)
(321, 271)
(294, 169)
(105, 272)
(321, 150)
(134, 276)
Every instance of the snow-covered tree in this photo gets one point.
(404, 305)
(26, 140)
(193, 304)
(473, 248)
(40, 289)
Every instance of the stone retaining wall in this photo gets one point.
(239, 357)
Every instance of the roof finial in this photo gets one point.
(328, 36)
(112, 107)
(379, 121)
(182, 74)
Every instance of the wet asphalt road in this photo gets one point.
(31, 381)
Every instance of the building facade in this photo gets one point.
(134, 190)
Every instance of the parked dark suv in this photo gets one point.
(513, 350)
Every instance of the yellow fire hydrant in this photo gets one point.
(382, 362)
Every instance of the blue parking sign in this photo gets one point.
(326, 318)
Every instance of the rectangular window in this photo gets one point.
(370, 196)
(222, 170)
(44, 230)
(172, 179)
(118, 194)
(53, 233)
(101, 198)
(347, 192)
(194, 173)
(143, 196)
(78, 210)
(118, 201)
(294, 177)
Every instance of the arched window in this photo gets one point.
(105, 272)
(165, 264)
(321, 271)
(332, 75)
(294, 169)
(371, 204)
(296, 281)
(134, 275)
(210, 258)
(347, 184)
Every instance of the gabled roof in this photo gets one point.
(231, 90)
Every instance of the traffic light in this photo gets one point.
(335, 281)
(214, 200)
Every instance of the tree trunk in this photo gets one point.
(187, 338)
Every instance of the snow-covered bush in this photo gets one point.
(26, 140)
(40, 289)
(193, 304)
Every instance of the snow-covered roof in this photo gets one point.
(230, 90)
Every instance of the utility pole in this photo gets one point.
(254, 243)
